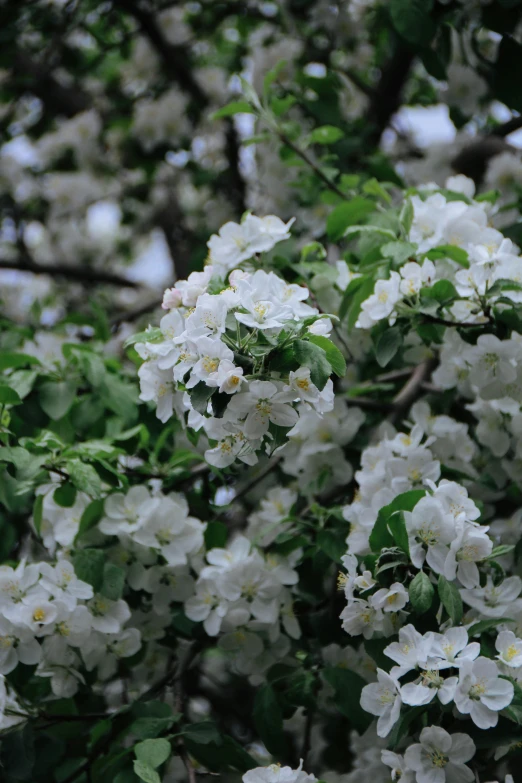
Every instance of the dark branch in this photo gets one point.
(388, 92)
(58, 98)
(503, 130)
(78, 274)
(175, 58)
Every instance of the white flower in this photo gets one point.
(359, 617)
(229, 377)
(411, 651)
(300, 384)
(108, 616)
(382, 698)
(62, 668)
(381, 303)
(440, 756)
(427, 686)
(390, 599)
(212, 353)
(481, 693)
(509, 649)
(171, 531)
(470, 545)
(495, 600)
(207, 606)
(414, 276)
(38, 612)
(275, 773)
(451, 649)
(238, 242)
(399, 769)
(61, 582)
(17, 643)
(430, 532)
(126, 513)
(259, 406)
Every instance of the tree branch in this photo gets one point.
(503, 130)
(386, 98)
(175, 58)
(59, 98)
(410, 391)
(78, 274)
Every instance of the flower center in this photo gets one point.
(438, 759)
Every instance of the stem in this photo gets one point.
(315, 168)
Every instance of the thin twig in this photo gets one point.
(315, 168)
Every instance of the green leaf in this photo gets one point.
(380, 537)
(90, 517)
(397, 527)
(401, 727)
(153, 718)
(56, 398)
(113, 581)
(457, 254)
(268, 720)
(8, 360)
(450, 599)
(200, 395)
(202, 733)
(84, 477)
(498, 551)
(421, 592)
(443, 291)
(309, 355)
(348, 686)
(406, 216)
(386, 232)
(326, 134)
(503, 285)
(478, 629)
(151, 335)
(387, 345)
(146, 772)
(347, 214)
(153, 752)
(334, 545)
(356, 293)
(333, 354)
(374, 188)
(399, 251)
(88, 566)
(65, 495)
(8, 396)
(411, 19)
(216, 535)
(272, 75)
(235, 107)
(37, 513)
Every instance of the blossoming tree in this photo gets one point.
(265, 525)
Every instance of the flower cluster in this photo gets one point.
(241, 588)
(218, 353)
(55, 620)
(450, 242)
